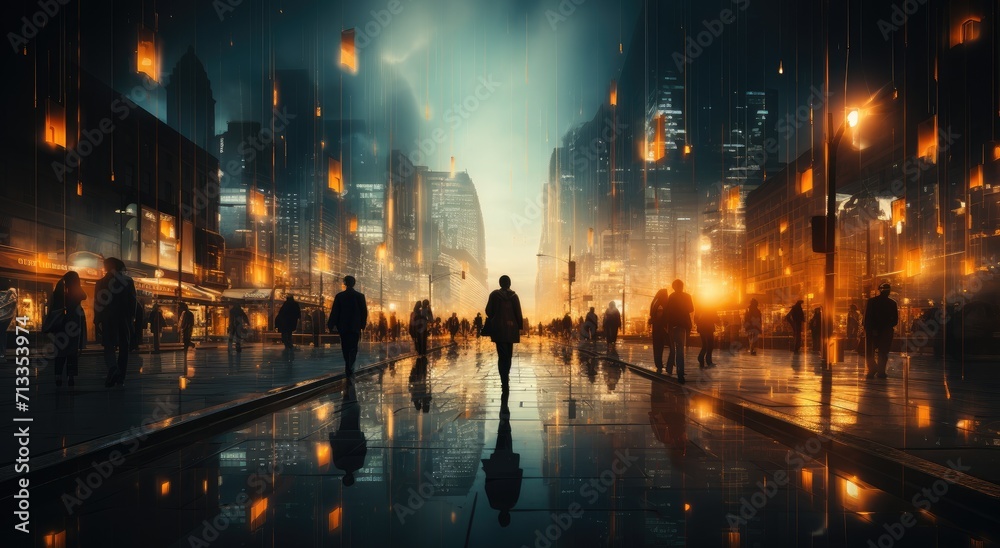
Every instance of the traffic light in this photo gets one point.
(463, 274)
(572, 271)
(819, 230)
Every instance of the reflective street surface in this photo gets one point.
(581, 452)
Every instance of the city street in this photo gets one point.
(597, 454)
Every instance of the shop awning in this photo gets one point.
(247, 294)
(164, 287)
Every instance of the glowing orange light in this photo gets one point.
(322, 454)
(335, 176)
(452, 167)
(913, 262)
(56, 540)
(976, 177)
(182, 382)
(898, 211)
(79, 188)
(353, 224)
(852, 489)
(146, 56)
(923, 416)
(164, 488)
(614, 93)
(927, 140)
(348, 51)
(807, 480)
(204, 486)
(258, 514)
(659, 138)
(257, 204)
(319, 111)
(806, 181)
(334, 519)
(55, 124)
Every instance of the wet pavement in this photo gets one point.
(580, 452)
(941, 410)
(64, 417)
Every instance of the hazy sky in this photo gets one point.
(497, 83)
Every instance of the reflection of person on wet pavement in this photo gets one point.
(503, 474)
(420, 391)
(666, 416)
(348, 443)
(503, 315)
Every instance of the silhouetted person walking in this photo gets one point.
(317, 326)
(239, 322)
(567, 326)
(661, 335)
(140, 324)
(186, 325)
(503, 472)
(705, 322)
(114, 315)
(679, 309)
(349, 316)
(796, 317)
(288, 320)
(348, 443)
(156, 324)
(67, 325)
(503, 313)
(590, 323)
(453, 325)
(881, 317)
(612, 323)
(816, 328)
(418, 329)
(753, 323)
(477, 324)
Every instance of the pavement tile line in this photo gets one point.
(168, 432)
(896, 471)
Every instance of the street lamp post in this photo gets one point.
(571, 274)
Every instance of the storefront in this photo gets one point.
(206, 305)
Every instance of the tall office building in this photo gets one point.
(190, 105)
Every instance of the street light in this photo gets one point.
(853, 120)
(571, 274)
(380, 253)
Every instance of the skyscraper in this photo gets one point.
(190, 105)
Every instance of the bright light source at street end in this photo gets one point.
(853, 117)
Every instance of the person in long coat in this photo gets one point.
(612, 323)
(70, 334)
(503, 314)
(288, 320)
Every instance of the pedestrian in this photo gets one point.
(382, 331)
(853, 327)
(238, 324)
(453, 325)
(661, 335)
(503, 471)
(705, 322)
(67, 325)
(816, 328)
(393, 326)
(477, 324)
(466, 327)
(504, 318)
(348, 444)
(881, 317)
(679, 308)
(589, 330)
(612, 323)
(141, 321)
(418, 329)
(186, 325)
(156, 325)
(287, 320)
(349, 316)
(114, 317)
(8, 309)
(796, 317)
(753, 323)
(567, 326)
(317, 326)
